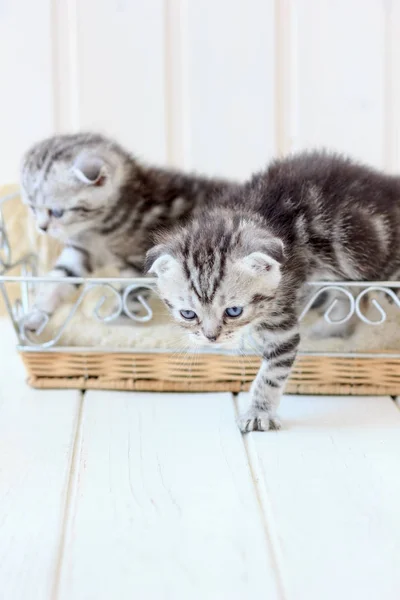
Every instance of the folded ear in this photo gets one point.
(275, 249)
(265, 262)
(159, 260)
(90, 169)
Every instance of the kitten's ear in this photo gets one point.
(266, 262)
(89, 169)
(158, 260)
(275, 249)
(260, 263)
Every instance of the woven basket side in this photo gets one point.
(170, 372)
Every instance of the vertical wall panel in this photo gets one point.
(26, 103)
(392, 121)
(216, 85)
(121, 72)
(66, 65)
(231, 85)
(338, 76)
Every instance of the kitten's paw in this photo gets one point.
(35, 321)
(253, 420)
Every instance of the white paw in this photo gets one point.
(254, 420)
(35, 321)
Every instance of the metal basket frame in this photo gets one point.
(353, 291)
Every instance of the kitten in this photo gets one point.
(243, 263)
(92, 195)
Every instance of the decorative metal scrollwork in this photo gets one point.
(115, 309)
(383, 315)
(116, 298)
(355, 301)
(327, 315)
(140, 299)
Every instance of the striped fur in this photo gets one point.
(111, 204)
(312, 216)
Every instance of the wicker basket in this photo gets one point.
(53, 366)
(210, 372)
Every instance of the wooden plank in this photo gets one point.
(331, 491)
(337, 73)
(230, 81)
(120, 72)
(37, 432)
(163, 505)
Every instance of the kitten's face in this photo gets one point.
(244, 295)
(66, 199)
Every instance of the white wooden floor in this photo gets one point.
(119, 496)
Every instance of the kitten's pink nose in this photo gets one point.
(211, 331)
(212, 338)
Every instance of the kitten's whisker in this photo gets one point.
(183, 352)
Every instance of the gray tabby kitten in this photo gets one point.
(244, 262)
(92, 195)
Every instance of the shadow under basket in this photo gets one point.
(167, 372)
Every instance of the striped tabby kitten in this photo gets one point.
(92, 195)
(243, 263)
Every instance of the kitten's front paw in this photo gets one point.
(257, 420)
(35, 321)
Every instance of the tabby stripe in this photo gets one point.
(86, 262)
(136, 216)
(214, 283)
(115, 224)
(283, 348)
(192, 287)
(139, 215)
(171, 306)
(134, 265)
(277, 372)
(260, 298)
(191, 280)
(114, 220)
(85, 210)
(284, 362)
(47, 163)
(281, 325)
(67, 272)
(64, 149)
(271, 383)
(262, 405)
(282, 378)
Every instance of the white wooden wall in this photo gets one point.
(219, 86)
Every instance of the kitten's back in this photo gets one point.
(346, 214)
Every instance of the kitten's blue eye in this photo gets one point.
(188, 314)
(234, 311)
(57, 214)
